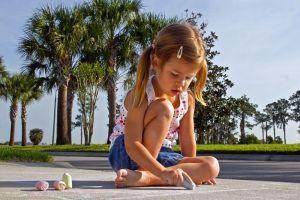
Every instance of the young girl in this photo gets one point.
(158, 110)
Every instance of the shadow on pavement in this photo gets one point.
(76, 184)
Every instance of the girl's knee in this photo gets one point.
(213, 167)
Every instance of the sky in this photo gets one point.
(257, 40)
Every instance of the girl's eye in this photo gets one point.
(175, 75)
(188, 78)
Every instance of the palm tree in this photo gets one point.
(142, 30)
(123, 32)
(282, 107)
(51, 46)
(12, 92)
(30, 91)
(295, 107)
(3, 71)
(244, 109)
(3, 75)
(262, 119)
(115, 44)
(270, 110)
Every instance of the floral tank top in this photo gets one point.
(173, 131)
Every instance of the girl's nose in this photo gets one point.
(180, 83)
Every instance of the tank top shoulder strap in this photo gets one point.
(184, 97)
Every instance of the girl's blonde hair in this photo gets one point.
(167, 43)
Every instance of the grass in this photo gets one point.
(64, 148)
(249, 149)
(212, 148)
(14, 154)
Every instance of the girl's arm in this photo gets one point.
(133, 139)
(186, 130)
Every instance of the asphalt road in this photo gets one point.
(280, 171)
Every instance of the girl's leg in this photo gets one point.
(157, 122)
(200, 169)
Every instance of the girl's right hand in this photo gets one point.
(172, 176)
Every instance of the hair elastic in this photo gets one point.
(179, 53)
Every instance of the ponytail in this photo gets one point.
(143, 69)
(200, 83)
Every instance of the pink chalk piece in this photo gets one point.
(42, 185)
(59, 185)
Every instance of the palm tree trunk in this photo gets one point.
(81, 132)
(242, 129)
(111, 99)
(62, 122)
(283, 126)
(13, 115)
(24, 123)
(274, 128)
(91, 118)
(266, 132)
(111, 89)
(85, 126)
(54, 115)
(70, 99)
(263, 135)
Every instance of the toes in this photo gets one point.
(120, 184)
(122, 173)
(120, 181)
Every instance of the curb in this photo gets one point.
(219, 156)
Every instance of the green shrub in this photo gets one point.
(232, 139)
(278, 140)
(269, 139)
(252, 139)
(36, 136)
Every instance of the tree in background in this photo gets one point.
(51, 47)
(78, 122)
(262, 119)
(36, 136)
(243, 110)
(142, 31)
(31, 90)
(271, 112)
(3, 72)
(295, 107)
(214, 121)
(89, 79)
(112, 17)
(12, 92)
(282, 107)
(269, 139)
(3, 76)
(251, 139)
(278, 140)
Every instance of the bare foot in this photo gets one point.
(129, 178)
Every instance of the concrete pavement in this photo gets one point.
(93, 179)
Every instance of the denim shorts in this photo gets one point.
(119, 159)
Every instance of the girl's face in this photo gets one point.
(175, 75)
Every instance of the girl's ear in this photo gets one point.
(154, 61)
(156, 64)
